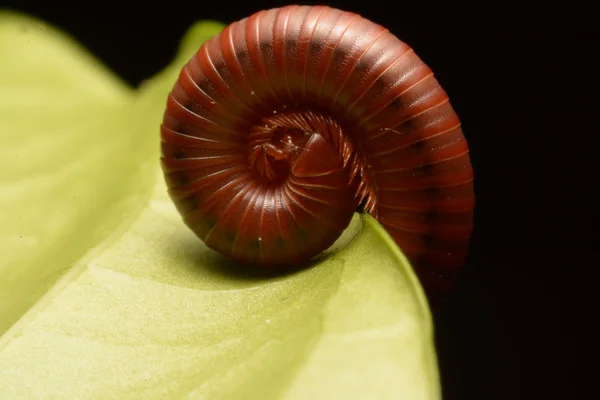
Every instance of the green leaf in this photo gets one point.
(105, 294)
(65, 139)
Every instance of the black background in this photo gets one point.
(523, 84)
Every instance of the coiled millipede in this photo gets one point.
(287, 122)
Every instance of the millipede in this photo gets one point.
(289, 121)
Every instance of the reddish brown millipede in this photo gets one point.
(284, 124)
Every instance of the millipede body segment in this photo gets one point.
(287, 122)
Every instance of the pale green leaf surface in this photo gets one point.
(141, 309)
(65, 140)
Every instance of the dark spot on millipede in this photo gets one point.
(264, 46)
(428, 168)
(428, 239)
(209, 222)
(338, 56)
(280, 242)
(381, 82)
(361, 67)
(315, 47)
(418, 145)
(431, 191)
(189, 105)
(183, 128)
(302, 235)
(180, 153)
(290, 42)
(229, 237)
(256, 244)
(432, 215)
(397, 103)
(176, 179)
(192, 202)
